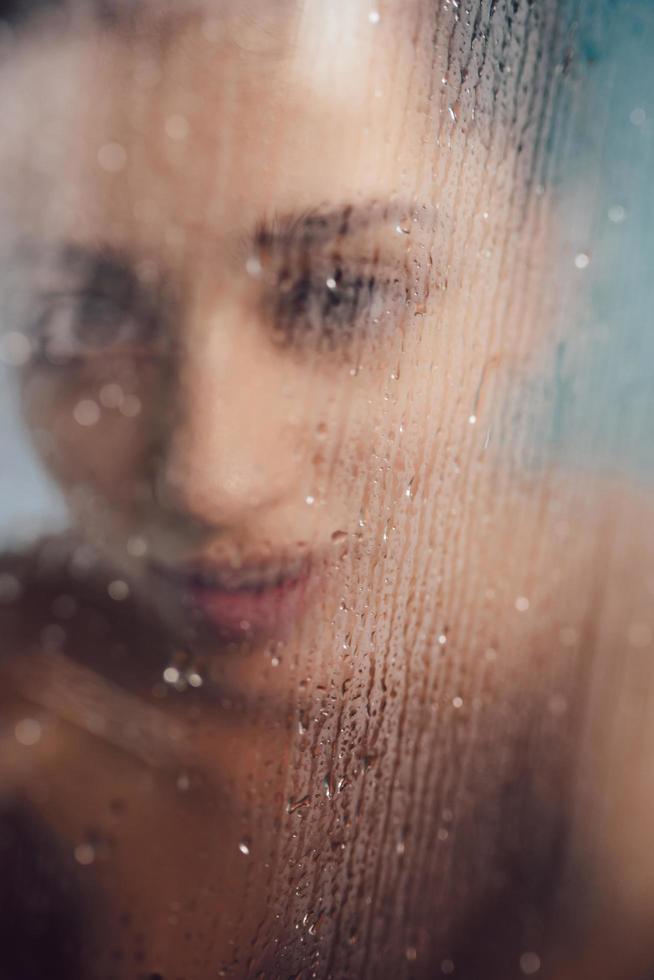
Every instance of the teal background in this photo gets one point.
(602, 405)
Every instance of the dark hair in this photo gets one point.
(16, 12)
(41, 921)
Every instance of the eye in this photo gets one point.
(79, 326)
(326, 306)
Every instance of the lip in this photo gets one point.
(252, 599)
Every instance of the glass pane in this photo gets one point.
(327, 575)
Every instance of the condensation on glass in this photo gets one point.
(327, 582)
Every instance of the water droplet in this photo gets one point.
(137, 547)
(171, 675)
(183, 782)
(522, 603)
(403, 227)
(472, 420)
(244, 847)
(112, 157)
(374, 16)
(253, 266)
(85, 854)
(195, 679)
(452, 113)
(118, 590)
(130, 406)
(331, 283)
(442, 639)
(339, 536)
(28, 731)
(617, 214)
(529, 963)
(294, 805)
(177, 127)
(86, 412)
(310, 501)
(10, 588)
(15, 349)
(457, 702)
(582, 260)
(111, 396)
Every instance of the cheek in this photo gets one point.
(378, 444)
(92, 431)
(406, 414)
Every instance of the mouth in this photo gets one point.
(251, 599)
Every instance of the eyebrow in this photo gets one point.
(102, 266)
(320, 225)
(94, 268)
(164, 17)
(19, 13)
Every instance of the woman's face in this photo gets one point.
(256, 261)
(264, 271)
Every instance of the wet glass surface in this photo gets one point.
(327, 573)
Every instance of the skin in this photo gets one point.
(247, 439)
(265, 444)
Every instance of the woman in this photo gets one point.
(290, 698)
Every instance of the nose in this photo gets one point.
(233, 447)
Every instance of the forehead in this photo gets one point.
(237, 110)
